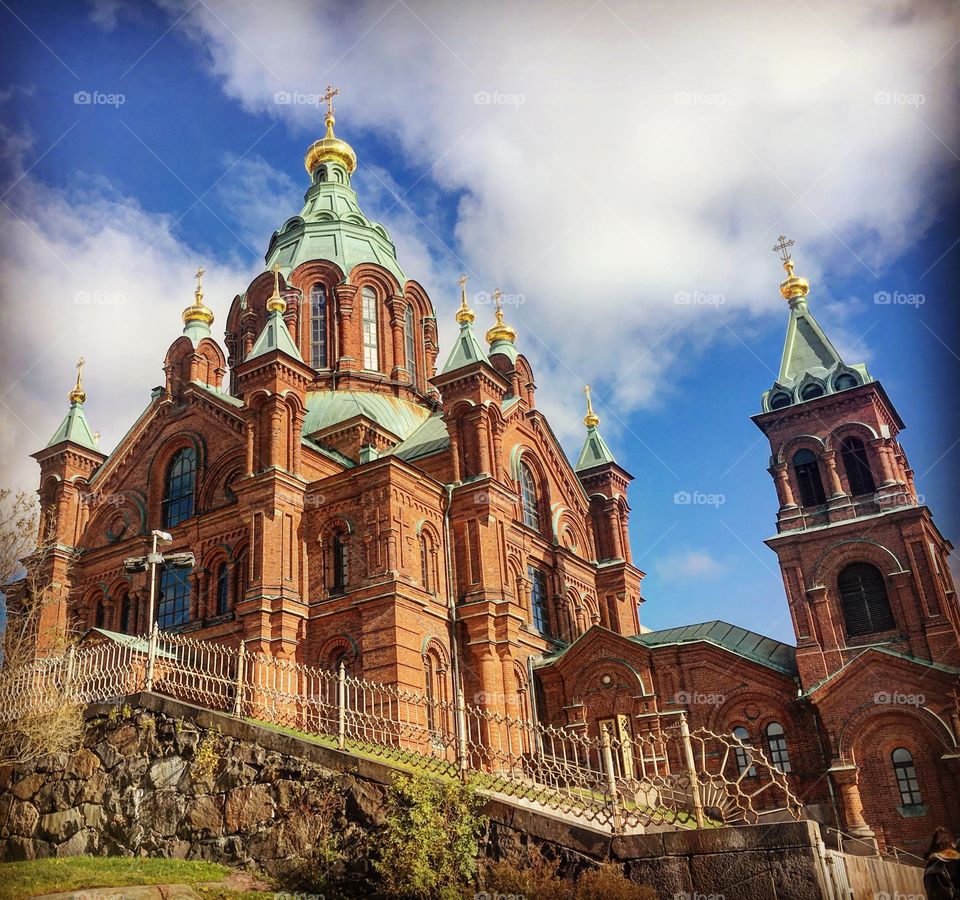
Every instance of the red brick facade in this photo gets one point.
(369, 513)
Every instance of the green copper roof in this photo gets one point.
(595, 452)
(196, 331)
(332, 226)
(748, 644)
(74, 428)
(275, 336)
(811, 366)
(430, 437)
(507, 348)
(466, 350)
(328, 408)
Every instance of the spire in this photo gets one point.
(595, 451)
(74, 427)
(330, 149)
(467, 349)
(811, 366)
(501, 331)
(197, 317)
(275, 334)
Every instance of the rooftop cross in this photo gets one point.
(199, 276)
(782, 247)
(591, 419)
(276, 303)
(328, 98)
(78, 395)
(464, 314)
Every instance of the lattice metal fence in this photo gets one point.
(665, 775)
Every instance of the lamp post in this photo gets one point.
(141, 564)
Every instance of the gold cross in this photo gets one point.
(782, 245)
(586, 390)
(199, 276)
(80, 364)
(462, 281)
(498, 298)
(328, 98)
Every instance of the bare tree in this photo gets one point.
(38, 713)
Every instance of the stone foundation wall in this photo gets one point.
(162, 778)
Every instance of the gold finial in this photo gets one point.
(501, 331)
(465, 315)
(591, 419)
(78, 395)
(96, 436)
(276, 303)
(198, 312)
(793, 287)
(330, 148)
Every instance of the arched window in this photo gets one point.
(318, 326)
(777, 742)
(538, 599)
(339, 561)
(528, 496)
(864, 600)
(844, 381)
(744, 759)
(807, 472)
(857, 467)
(126, 614)
(100, 616)
(779, 400)
(181, 476)
(371, 342)
(906, 774)
(223, 589)
(424, 562)
(173, 601)
(410, 343)
(321, 174)
(812, 390)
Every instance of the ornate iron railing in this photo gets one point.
(664, 775)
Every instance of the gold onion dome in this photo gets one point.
(591, 419)
(465, 315)
(276, 303)
(78, 394)
(501, 331)
(793, 286)
(330, 149)
(197, 311)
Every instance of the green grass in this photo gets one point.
(70, 873)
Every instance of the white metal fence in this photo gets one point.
(665, 774)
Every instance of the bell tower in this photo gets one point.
(862, 560)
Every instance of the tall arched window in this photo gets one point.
(538, 599)
(528, 496)
(371, 341)
(126, 614)
(339, 561)
(100, 616)
(744, 759)
(424, 562)
(807, 472)
(857, 467)
(777, 742)
(907, 783)
(223, 589)
(181, 478)
(173, 601)
(318, 326)
(864, 600)
(410, 343)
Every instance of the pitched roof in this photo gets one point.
(748, 644)
(467, 349)
(926, 663)
(595, 451)
(328, 408)
(74, 428)
(275, 336)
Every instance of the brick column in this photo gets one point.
(833, 476)
(864, 841)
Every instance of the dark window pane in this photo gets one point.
(173, 601)
(864, 600)
(181, 476)
(528, 495)
(857, 467)
(807, 473)
(538, 599)
(318, 326)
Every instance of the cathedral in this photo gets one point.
(353, 496)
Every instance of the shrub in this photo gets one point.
(609, 883)
(528, 875)
(428, 844)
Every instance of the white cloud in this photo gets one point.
(628, 152)
(88, 272)
(688, 565)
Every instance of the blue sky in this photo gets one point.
(197, 164)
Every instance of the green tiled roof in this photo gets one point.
(74, 428)
(466, 350)
(275, 336)
(748, 644)
(595, 452)
(328, 408)
(430, 437)
(926, 663)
